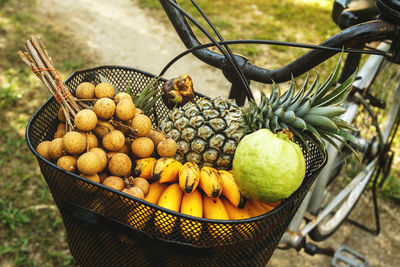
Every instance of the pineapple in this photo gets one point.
(207, 131)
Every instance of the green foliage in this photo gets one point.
(11, 216)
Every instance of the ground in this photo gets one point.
(120, 33)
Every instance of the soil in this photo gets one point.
(118, 32)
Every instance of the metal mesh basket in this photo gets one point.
(106, 227)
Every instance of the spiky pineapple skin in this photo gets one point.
(207, 132)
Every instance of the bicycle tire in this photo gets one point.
(388, 78)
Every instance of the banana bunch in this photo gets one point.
(202, 193)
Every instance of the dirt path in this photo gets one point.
(119, 32)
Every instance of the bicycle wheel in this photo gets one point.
(379, 106)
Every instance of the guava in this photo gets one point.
(267, 166)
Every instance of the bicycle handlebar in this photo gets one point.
(351, 37)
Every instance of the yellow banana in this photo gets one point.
(140, 215)
(214, 209)
(170, 199)
(155, 191)
(189, 177)
(166, 170)
(234, 212)
(210, 181)
(246, 230)
(192, 204)
(144, 168)
(256, 208)
(230, 189)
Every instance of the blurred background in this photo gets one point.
(82, 34)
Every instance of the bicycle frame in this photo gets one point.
(295, 234)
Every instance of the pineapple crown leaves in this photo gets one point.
(310, 114)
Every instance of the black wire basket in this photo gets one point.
(106, 227)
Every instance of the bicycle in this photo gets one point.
(336, 191)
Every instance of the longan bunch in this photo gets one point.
(108, 138)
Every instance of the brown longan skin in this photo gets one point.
(167, 148)
(56, 149)
(142, 147)
(61, 115)
(120, 165)
(102, 156)
(142, 183)
(114, 182)
(85, 120)
(44, 149)
(91, 139)
(141, 124)
(156, 136)
(122, 95)
(74, 142)
(104, 108)
(94, 177)
(89, 163)
(67, 163)
(102, 128)
(114, 140)
(104, 90)
(134, 191)
(85, 90)
(125, 110)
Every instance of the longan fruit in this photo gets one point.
(141, 124)
(56, 149)
(94, 177)
(110, 154)
(85, 120)
(91, 139)
(114, 140)
(104, 108)
(125, 110)
(138, 111)
(61, 115)
(167, 148)
(156, 136)
(104, 90)
(102, 156)
(103, 176)
(118, 97)
(102, 128)
(142, 147)
(125, 149)
(85, 90)
(120, 165)
(114, 182)
(134, 191)
(44, 149)
(74, 142)
(142, 183)
(67, 163)
(89, 163)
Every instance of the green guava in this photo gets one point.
(267, 166)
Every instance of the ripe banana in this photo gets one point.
(234, 212)
(210, 182)
(246, 230)
(214, 209)
(230, 189)
(170, 199)
(144, 168)
(189, 177)
(192, 204)
(155, 191)
(166, 170)
(256, 208)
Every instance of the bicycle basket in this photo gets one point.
(106, 227)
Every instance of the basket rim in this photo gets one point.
(283, 204)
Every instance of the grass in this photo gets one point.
(31, 229)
